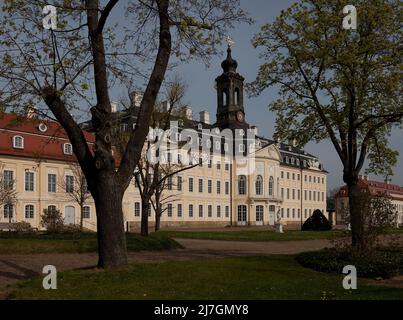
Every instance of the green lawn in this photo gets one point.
(270, 277)
(75, 243)
(253, 235)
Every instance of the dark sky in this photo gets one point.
(202, 96)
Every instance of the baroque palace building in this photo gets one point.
(287, 183)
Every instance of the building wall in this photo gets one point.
(267, 165)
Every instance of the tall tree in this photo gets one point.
(342, 85)
(58, 70)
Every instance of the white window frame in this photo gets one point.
(15, 146)
(67, 148)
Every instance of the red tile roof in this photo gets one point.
(376, 188)
(37, 144)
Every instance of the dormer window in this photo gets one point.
(67, 149)
(18, 142)
(200, 126)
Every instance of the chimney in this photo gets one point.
(205, 117)
(136, 97)
(114, 107)
(166, 106)
(188, 112)
(31, 112)
(255, 130)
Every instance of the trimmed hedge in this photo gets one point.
(383, 264)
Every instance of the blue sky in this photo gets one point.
(202, 96)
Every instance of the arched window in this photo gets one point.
(242, 184)
(236, 96)
(225, 97)
(18, 142)
(271, 186)
(259, 185)
(51, 208)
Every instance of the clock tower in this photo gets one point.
(229, 86)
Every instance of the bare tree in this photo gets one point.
(76, 188)
(79, 62)
(7, 189)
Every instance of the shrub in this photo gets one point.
(71, 228)
(317, 222)
(23, 227)
(380, 263)
(52, 220)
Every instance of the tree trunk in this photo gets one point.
(111, 234)
(158, 215)
(81, 216)
(145, 207)
(356, 217)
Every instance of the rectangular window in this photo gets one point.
(29, 181)
(218, 186)
(226, 166)
(209, 186)
(8, 211)
(200, 185)
(169, 210)
(282, 212)
(169, 182)
(288, 212)
(305, 192)
(210, 211)
(137, 209)
(310, 195)
(299, 194)
(288, 193)
(209, 164)
(86, 212)
(293, 194)
(293, 213)
(190, 210)
(218, 165)
(293, 176)
(200, 211)
(218, 211)
(227, 211)
(8, 176)
(51, 182)
(190, 184)
(70, 184)
(29, 211)
(282, 174)
(282, 193)
(179, 183)
(226, 187)
(288, 175)
(179, 210)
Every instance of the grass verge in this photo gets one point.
(269, 277)
(76, 243)
(253, 235)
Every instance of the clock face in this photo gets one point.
(239, 116)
